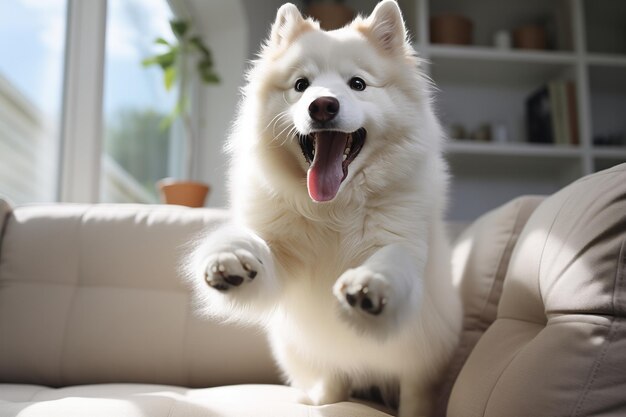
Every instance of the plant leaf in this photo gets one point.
(146, 62)
(207, 73)
(161, 41)
(210, 77)
(165, 60)
(197, 42)
(169, 77)
(179, 27)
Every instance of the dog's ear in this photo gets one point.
(288, 24)
(386, 25)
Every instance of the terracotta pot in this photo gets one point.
(330, 15)
(451, 29)
(183, 193)
(530, 37)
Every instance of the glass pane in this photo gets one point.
(32, 46)
(136, 143)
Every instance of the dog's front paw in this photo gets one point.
(362, 290)
(231, 268)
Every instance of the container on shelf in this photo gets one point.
(331, 15)
(451, 29)
(530, 37)
(502, 40)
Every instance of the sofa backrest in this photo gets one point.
(92, 293)
(557, 346)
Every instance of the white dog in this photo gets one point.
(338, 187)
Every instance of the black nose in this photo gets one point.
(324, 109)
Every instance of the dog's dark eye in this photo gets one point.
(357, 84)
(301, 85)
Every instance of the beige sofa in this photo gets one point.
(94, 320)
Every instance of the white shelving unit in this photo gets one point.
(480, 84)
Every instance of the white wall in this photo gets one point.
(234, 31)
(260, 15)
(224, 30)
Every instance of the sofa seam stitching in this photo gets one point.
(545, 244)
(74, 295)
(612, 331)
(593, 372)
(499, 377)
(515, 232)
(482, 317)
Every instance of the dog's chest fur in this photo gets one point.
(318, 247)
(307, 249)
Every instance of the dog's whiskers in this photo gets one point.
(281, 123)
(289, 129)
(292, 135)
(275, 120)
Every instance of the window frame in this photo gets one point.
(81, 128)
(82, 118)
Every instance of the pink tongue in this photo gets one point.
(326, 172)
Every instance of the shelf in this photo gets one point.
(609, 152)
(610, 60)
(513, 164)
(520, 149)
(490, 16)
(489, 66)
(493, 54)
(480, 85)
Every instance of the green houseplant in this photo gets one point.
(181, 60)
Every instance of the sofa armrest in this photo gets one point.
(557, 344)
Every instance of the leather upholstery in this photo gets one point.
(138, 400)
(557, 345)
(480, 260)
(92, 295)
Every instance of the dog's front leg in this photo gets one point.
(386, 288)
(232, 273)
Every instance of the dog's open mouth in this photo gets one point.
(329, 153)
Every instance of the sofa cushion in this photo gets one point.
(557, 345)
(480, 259)
(134, 400)
(92, 294)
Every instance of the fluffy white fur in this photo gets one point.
(381, 237)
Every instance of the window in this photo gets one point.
(32, 42)
(137, 147)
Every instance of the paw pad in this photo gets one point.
(361, 298)
(226, 270)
